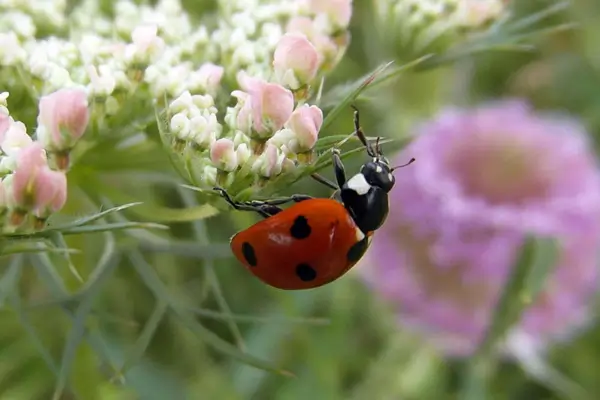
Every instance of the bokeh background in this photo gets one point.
(341, 341)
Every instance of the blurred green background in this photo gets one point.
(339, 341)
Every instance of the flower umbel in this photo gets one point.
(424, 25)
(485, 179)
(30, 190)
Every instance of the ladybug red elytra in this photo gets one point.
(317, 240)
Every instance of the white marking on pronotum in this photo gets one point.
(378, 169)
(390, 176)
(359, 234)
(359, 184)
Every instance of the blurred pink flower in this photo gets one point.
(295, 60)
(63, 118)
(269, 105)
(34, 185)
(483, 179)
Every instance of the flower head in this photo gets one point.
(484, 179)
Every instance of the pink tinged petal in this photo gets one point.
(64, 116)
(211, 75)
(30, 160)
(50, 192)
(223, 155)
(277, 105)
(305, 122)
(271, 104)
(295, 59)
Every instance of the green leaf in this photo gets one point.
(534, 18)
(58, 240)
(188, 248)
(535, 261)
(158, 213)
(351, 93)
(521, 288)
(145, 337)
(341, 96)
(91, 218)
(154, 283)
(507, 36)
(201, 237)
(21, 246)
(166, 214)
(9, 280)
(201, 312)
(112, 227)
(101, 273)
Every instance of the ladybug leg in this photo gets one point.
(338, 168)
(265, 208)
(321, 179)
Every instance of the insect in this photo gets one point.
(317, 240)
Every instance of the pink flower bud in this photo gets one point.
(223, 155)
(305, 122)
(325, 46)
(62, 119)
(295, 60)
(210, 76)
(34, 185)
(338, 12)
(270, 162)
(271, 104)
(51, 191)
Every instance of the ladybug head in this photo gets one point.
(378, 172)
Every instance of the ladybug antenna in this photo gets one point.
(412, 160)
(378, 146)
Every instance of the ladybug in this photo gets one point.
(317, 240)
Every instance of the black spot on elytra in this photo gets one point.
(249, 255)
(300, 228)
(357, 250)
(305, 272)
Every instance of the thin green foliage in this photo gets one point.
(533, 264)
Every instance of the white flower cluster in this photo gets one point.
(420, 23)
(156, 53)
